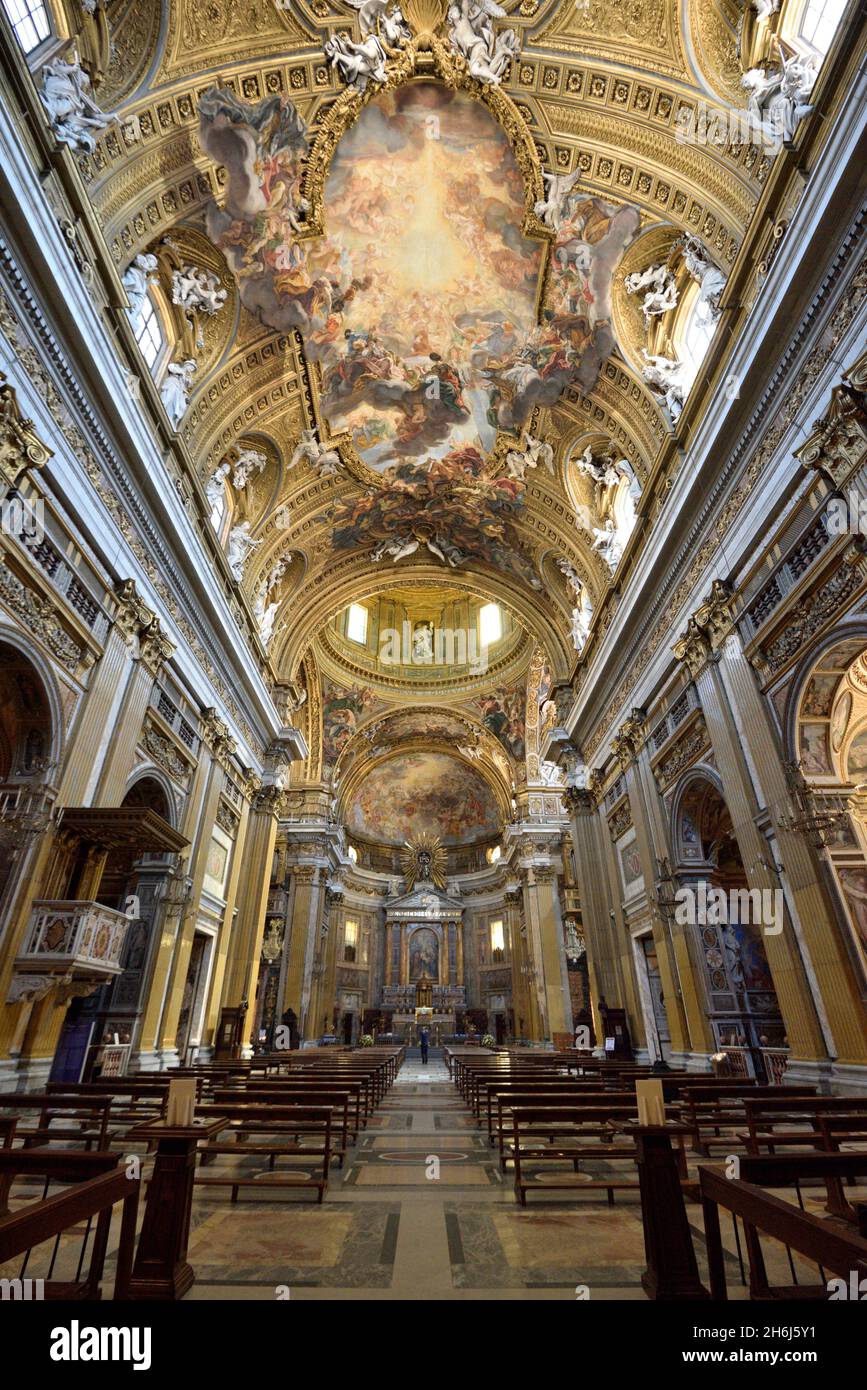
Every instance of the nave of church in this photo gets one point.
(433, 652)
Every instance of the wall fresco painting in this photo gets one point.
(503, 714)
(344, 709)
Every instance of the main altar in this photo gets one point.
(424, 948)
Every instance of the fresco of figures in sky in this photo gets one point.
(420, 302)
(424, 791)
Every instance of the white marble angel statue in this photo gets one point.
(386, 15)
(241, 543)
(707, 276)
(308, 448)
(74, 115)
(139, 275)
(357, 63)
(582, 615)
(778, 100)
(175, 390)
(666, 377)
(552, 207)
(608, 543)
(197, 291)
(369, 11)
(660, 286)
(471, 32)
(215, 489)
(266, 616)
(248, 462)
(535, 451)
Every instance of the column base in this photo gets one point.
(691, 1061)
(811, 1071)
(155, 1059)
(30, 1073)
(849, 1078)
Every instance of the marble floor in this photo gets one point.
(421, 1211)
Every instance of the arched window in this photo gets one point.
(29, 19)
(221, 512)
(149, 333)
(696, 335)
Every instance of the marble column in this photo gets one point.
(791, 984)
(245, 947)
(604, 961)
(308, 901)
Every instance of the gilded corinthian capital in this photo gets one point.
(20, 445)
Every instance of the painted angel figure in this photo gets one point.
(241, 543)
(74, 115)
(137, 279)
(357, 63)
(551, 208)
(175, 390)
(248, 462)
(407, 545)
(308, 447)
(660, 286)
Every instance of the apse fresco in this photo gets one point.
(416, 792)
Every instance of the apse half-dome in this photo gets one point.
(424, 791)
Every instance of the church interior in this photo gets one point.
(433, 650)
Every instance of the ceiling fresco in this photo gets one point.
(420, 302)
(426, 226)
(424, 791)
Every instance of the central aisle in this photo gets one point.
(421, 1211)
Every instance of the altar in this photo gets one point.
(424, 948)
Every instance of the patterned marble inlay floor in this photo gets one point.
(421, 1211)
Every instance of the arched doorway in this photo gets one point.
(28, 761)
(828, 741)
(729, 920)
(133, 881)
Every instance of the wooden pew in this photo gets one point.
(91, 1113)
(567, 1129)
(337, 1097)
(710, 1112)
(97, 1185)
(612, 1101)
(771, 1121)
(826, 1245)
(490, 1090)
(302, 1122)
